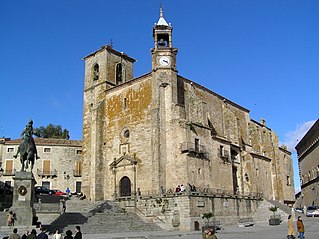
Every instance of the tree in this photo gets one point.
(53, 131)
(207, 216)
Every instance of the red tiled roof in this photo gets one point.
(49, 141)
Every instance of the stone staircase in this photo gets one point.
(95, 218)
(263, 214)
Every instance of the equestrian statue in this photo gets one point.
(27, 149)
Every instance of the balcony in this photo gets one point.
(46, 173)
(224, 155)
(77, 173)
(9, 172)
(197, 149)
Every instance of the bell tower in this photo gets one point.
(165, 109)
(163, 53)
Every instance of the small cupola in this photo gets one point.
(162, 32)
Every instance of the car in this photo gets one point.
(42, 190)
(312, 211)
(58, 192)
(299, 209)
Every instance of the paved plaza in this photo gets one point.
(260, 230)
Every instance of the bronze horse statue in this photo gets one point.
(27, 152)
(27, 148)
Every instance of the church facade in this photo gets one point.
(145, 136)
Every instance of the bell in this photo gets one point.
(161, 42)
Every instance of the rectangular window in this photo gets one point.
(9, 167)
(78, 168)
(46, 167)
(196, 145)
(10, 150)
(78, 151)
(78, 186)
(46, 184)
(8, 184)
(221, 150)
(47, 150)
(124, 104)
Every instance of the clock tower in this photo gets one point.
(163, 53)
(165, 105)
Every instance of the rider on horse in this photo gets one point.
(27, 134)
(27, 148)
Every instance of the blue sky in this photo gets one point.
(263, 55)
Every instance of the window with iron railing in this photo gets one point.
(193, 147)
(47, 173)
(9, 172)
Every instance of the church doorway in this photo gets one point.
(125, 187)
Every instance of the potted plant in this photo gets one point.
(207, 216)
(274, 219)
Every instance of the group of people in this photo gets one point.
(43, 234)
(180, 188)
(300, 228)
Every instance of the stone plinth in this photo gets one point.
(23, 198)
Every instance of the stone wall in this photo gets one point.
(63, 156)
(184, 212)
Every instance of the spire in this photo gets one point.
(161, 20)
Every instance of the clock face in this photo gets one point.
(164, 61)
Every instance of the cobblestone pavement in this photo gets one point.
(261, 230)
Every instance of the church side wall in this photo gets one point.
(134, 116)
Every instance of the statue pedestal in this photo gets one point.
(23, 198)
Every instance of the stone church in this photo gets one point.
(145, 137)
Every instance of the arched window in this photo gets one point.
(96, 71)
(118, 75)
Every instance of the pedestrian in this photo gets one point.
(291, 231)
(300, 228)
(42, 234)
(63, 203)
(57, 234)
(68, 192)
(32, 235)
(78, 233)
(10, 218)
(14, 234)
(25, 235)
(68, 234)
(211, 234)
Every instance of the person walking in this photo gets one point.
(25, 235)
(68, 192)
(68, 234)
(291, 231)
(78, 233)
(57, 234)
(63, 204)
(10, 219)
(42, 234)
(300, 228)
(32, 235)
(14, 234)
